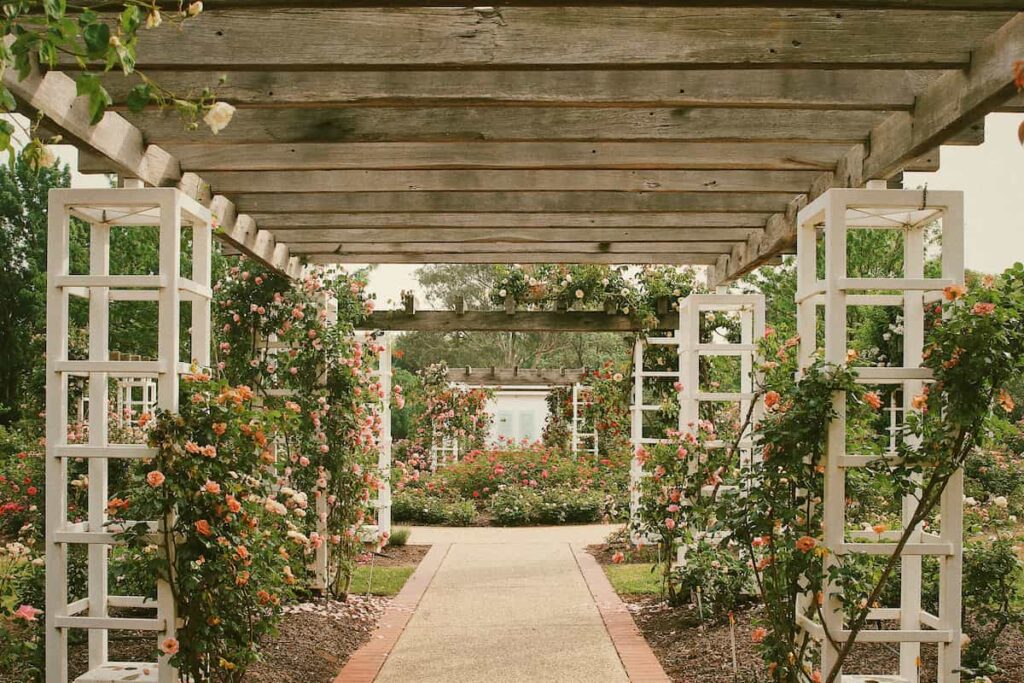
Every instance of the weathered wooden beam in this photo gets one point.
(964, 5)
(510, 181)
(515, 257)
(473, 124)
(422, 223)
(881, 89)
(55, 95)
(517, 376)
(522, 321)
(768, 156)
(953, 102)
(581, 248)
(946, 106)
(506, 202)
(536, 236)
(489, 37)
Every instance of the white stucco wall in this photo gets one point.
(518, 414)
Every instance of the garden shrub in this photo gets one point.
(418, 507)
(515, 506)
(399, 537)
(718, 575)
(567, 506)
(993, 600)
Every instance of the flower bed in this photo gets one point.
(534, 485)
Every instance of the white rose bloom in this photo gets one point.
(219, 116)
(1000, 502)
(503, 293)
(579, 293)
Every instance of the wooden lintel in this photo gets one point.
(499, 321)
(517, 376)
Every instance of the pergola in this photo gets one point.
(644, 131)
(688, 132)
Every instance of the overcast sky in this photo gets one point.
(991, 176)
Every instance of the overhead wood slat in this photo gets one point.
(624, 249)
(965, 5)
(422, 221)
(469, 124)
(878, 89)
(512, 257)
(522, 321)
(461, 236)
(517, 376)
(510, 181)
(498, 155)
(489, 37)
(506, 202)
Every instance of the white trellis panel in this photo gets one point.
(372, 533)
(136, 396)
(583, 440)
(103, 209)
(385, 376)
(443, 451)
(912, 212)
(638, 408)
(748, 311)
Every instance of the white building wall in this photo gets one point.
(519, 414)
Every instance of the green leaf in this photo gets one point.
(131, 18)
(7, 99)
(99, 99)
(96, 37)
(55, 9)
(139, 97)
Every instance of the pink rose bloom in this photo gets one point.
(983, 308)
(155, 478)
(670, 523)
(170, 646)
(27, 612)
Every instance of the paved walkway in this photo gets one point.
(506, 605)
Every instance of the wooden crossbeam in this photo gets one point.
(508, 221)
(768, 156)
(510, 181)
(962, 5)
(471, 124)
(581, 248)
(506, 202)
(299, 239)
(489, 38)
(684, 259)
(55, 95)
(499, 321)
(497, 155)
(950, 104)
(517, 376)
(878, 89)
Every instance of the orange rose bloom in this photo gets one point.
(203, 527)
(805, 544)
(872, 399)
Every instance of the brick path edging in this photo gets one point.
(636, 655)
(366, 662)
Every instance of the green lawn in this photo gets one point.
(633, 578)
(385, 580)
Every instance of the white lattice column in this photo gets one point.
(103, 210)
(386, 376)
(830, 285)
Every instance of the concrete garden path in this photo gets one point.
(506, 605)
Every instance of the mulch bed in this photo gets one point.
(406, 555)
(690, 653)
(315, 639)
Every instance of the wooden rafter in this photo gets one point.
(516, 376)
(500, 321)
(497, 38)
